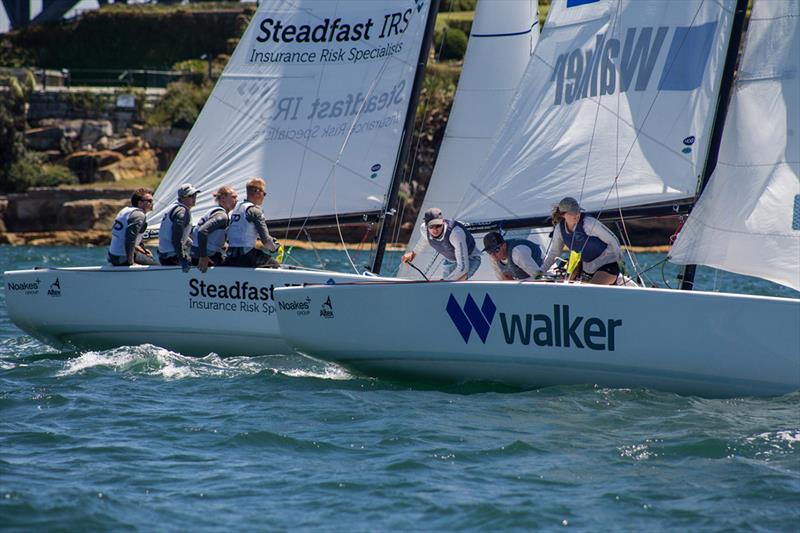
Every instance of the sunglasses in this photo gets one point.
(146, 201)
(493, 251)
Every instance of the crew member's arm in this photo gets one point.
(556, 245)
(612, 253)
(136, 225)
(180, 219)
(421, 243)
(218, 220)
(256, 216)
(523, 258)
(459, 241)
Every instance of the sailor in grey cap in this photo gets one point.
(450, 239)
(599, 249)
(513, 259)
(173, 234)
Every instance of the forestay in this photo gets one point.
(503, 36)
(313, 100)
(748, 219)
(615, 109)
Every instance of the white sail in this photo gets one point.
(504, 34)
(313, 101)
(748, 219)
(615, 109)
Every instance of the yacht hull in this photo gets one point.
(228, 311)
(541, 334)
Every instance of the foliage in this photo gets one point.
(28, 171)
(127, 36)
(13, 97)
(180, 105)
(457, 5)
(451, 44)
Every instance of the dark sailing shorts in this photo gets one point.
(611, 268)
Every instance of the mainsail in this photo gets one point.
(503, 36)
(615, 109)
(313, 101)
(748, 219)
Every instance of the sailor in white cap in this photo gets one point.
(173, 234)
(450, 239)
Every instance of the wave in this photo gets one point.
(147, 359)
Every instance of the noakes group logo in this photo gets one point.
(470, 316)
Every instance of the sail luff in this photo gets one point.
(747, 220)
(394, 187)
(726, 87)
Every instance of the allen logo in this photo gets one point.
(327, 309)
(55, 289)
(471, 316)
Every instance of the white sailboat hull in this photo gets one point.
(543, 334)
(191, 313)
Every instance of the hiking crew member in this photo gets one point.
(513, 259)
(452, 240)
(248, 224)
(173, 235)
(126, 235)
(208, 236)
(600, 251)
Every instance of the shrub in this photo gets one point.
(454, 45)
(28, 171)
(457, 5)
(180, 105)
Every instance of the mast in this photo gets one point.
(726, 86)
(408, 128)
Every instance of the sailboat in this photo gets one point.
(623, 106)
(318, 99)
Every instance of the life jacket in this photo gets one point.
(590, 247)
(241, 233)
(118, 231)
(165, 246)
(443, 245)
(509, 267)
(216, 239)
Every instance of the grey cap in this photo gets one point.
(186, 190)
(568, 204)
(433, 217)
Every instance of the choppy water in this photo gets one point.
(140, 438)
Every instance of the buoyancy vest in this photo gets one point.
(590, 247)
(512, 268)
(443, 244)
(118, 231)
(241, 233)
(216, 239)
(165, 245)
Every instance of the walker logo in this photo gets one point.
(618, 65)
(471, 316)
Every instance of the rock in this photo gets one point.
(135, 166)
(89, 214)
(48, 209)
(85, 164)
(128, 145)
(93, 130)
(166, 138)
(3, 208)
(47, 138)
(52, 238)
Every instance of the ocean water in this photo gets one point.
(142, 439)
